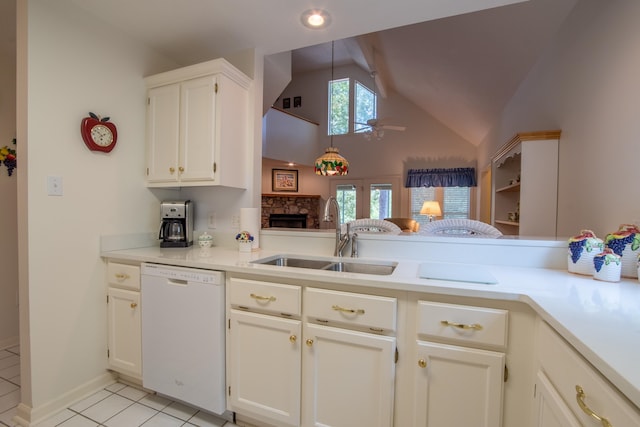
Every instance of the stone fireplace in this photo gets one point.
(291, 211)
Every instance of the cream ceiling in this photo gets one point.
(453, 59)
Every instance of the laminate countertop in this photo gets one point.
(600, 319)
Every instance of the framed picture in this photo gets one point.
(297, 101)
(286, 103)
(284, 180)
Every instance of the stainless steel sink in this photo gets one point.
(363, 268)
(294, 262)
(380, 268)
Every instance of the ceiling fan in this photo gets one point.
(376, 129)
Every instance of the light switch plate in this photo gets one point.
(54, 185)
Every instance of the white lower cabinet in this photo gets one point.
(337, 370)
(457, 386)
(265, 366)
(348, 378)
(124, 333)
(550, 410)
(570, 392)
(124, 319)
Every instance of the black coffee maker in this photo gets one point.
(176, 228)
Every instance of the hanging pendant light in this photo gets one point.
(331, 162)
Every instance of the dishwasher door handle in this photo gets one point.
(177, 282)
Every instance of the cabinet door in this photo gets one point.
(198, 129)
(163, 133)
(348, 378)
(125, 338)
(550, 410)
(264, 372)
(457, 386)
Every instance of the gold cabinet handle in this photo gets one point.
(422, 363)
(134, 305)
(262, 298)
(180, 169)
(122, 276)
(473, 326)
(309, 342)
(580, 396)
(293, 338)
(172, 170)
(347, 310)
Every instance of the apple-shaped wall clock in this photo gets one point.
(99, 134)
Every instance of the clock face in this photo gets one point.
(98, 134)
(102, 135)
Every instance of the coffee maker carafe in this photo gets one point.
(176, 228)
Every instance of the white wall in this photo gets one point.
(587, 85)
(8, 205)
(75, 65)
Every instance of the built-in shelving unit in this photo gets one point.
(525, 185)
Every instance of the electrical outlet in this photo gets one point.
(212, 220)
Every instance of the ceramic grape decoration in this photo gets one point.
(625, 242)
(582, 249)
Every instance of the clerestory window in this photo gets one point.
(340, 108)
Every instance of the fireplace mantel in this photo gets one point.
(308, 196)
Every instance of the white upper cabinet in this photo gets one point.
(198, 129)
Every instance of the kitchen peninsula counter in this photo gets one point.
(600, 319)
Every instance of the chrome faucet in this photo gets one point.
(341, 239)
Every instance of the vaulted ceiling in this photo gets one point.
(460, 61)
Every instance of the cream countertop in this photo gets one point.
(600, 319)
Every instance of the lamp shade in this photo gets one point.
(431, 207)
(331, 163)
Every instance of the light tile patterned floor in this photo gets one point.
(117, 405)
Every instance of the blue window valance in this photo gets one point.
(454, 177)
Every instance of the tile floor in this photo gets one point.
(117, 405)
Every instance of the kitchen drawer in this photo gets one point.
(566, 369)
(124, 276)
(265, 296)
(463, 324)
(358, 310)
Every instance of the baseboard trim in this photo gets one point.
(27, 416)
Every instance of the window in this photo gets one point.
(375, 198)
(339, 109)
(380, 201)
(365, 107)
(454, 201)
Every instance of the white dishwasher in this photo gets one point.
(183, 334)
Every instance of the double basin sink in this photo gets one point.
(381, 268)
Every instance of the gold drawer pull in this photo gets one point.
(180, 169)
(580, 396)
(422, 363)
(134, 305)
(309, 342)
(474, 326)
(262, 298)
(172, 170)
(347, 310)
(293, 338)
(122, 276)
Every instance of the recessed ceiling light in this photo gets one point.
(315, 19)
